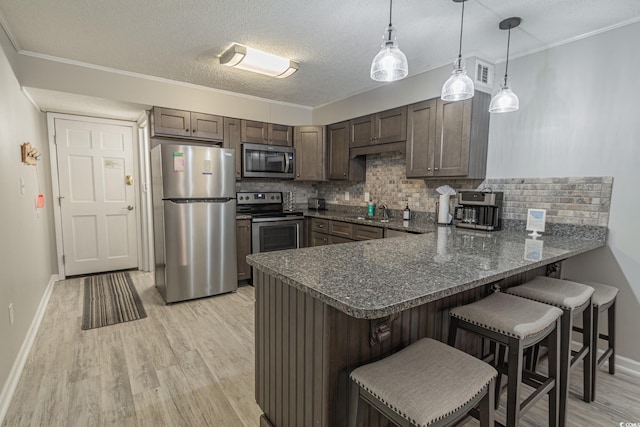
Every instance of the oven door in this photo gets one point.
(276, 234)
(267, 161)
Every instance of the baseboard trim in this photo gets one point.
(630, 366)
(18, 365)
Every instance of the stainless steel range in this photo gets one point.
(272, 228)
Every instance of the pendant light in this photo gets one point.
(505, 101)
(390, 63)
(459, 86)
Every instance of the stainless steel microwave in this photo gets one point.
(267, 161)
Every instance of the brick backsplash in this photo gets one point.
(568, 200)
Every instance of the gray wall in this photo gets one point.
(27, 250)
(578, 117)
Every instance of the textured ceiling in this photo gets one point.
(334, 40)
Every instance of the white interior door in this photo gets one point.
(97, 196)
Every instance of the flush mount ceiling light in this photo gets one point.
(390, 63)
(459, 86)
(250, 59)
(505, 101)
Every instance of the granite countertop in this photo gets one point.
(374, 278)
(413, 226)
(243, 216)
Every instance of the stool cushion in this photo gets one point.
(426, 381)
(561, 293)
(508, 315)
(602, 294)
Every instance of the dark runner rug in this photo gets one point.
(110, 299)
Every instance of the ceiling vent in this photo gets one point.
(483, 74)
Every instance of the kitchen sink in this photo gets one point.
(363, 218)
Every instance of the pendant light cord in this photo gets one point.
(390, 30)
(506, 68)
(461, 26)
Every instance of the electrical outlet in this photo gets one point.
(366, 197)
(346, 196)
(11, 317)
(22, 186)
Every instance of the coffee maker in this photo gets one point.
(479, 210)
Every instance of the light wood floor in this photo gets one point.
(191, 364)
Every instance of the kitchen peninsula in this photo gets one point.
(322, 311)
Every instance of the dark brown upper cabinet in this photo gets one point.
(340, 165)
(187, 124)
(266, 133)
(310, 145)
(448, 139)
(380, 128)
(232, 140)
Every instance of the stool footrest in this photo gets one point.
(579, 355)
(605, 356)
(533, 397)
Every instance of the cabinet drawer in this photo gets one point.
(333, 240)
(320, 225)
(319, 239)
(367, 232)
(343, 229)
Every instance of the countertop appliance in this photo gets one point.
(272, 228)
(267, 161)
(316, 203)
(479, 210)
(194, 216)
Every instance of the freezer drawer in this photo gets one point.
(199, 250)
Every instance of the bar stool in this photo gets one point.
(518, 324)
(425, 384)
(573, 298)
(603, 299)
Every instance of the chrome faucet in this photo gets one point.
(385, 211)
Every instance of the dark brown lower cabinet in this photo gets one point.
(305, 350)
(243, 248)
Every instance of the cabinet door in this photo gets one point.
(319, 239)
(206, 126)
(335, 240)
(338, 151)
(421, 138)
(453, 125)
(342, 229)
(171, 122)
(367, 232)
(254, 132)
(390, 126)
(362, 131)
(232, 140)
(280, 135)
(309, 144)
(243, 247)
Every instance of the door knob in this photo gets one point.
(130, 208)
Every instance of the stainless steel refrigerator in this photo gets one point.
(194, 216)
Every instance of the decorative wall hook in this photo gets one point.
(30, 155)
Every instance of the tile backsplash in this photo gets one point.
(568, 200)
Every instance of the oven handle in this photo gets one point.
(283, 218)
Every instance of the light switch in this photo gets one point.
(22, 186)
(346, 196)
(366, 197)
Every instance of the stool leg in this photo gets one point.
(594, 357)
(612, 337)
(565, 363)
(499, 361)
(453, 331)
(553, 347)
(486, 407)
(587, 328)
(514, 375)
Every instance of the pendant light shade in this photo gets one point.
(505, 101)
(459, 86)
(390, 63)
